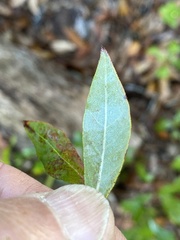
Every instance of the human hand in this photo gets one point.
(30, 210)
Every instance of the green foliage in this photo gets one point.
(170, 14)
(5, 155)
(167, 56)
(38, 168)
(6, 152)
(106, 128)
(173, 49)
(169, 126)
(169, 196)
(166, 59)
(24, 159)
(136, 206)
(143, 174)
(77, 142)
(175, 165)
(143, 214)
(130, 155)
(106, 133)
(21, 158)
(159, 232)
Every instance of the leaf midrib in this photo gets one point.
(104, 132)
(54, 149)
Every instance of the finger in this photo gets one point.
(82, 213)
(27, 218)
(71, 212)
(13, 182)
(119, 235)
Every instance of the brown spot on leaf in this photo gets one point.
(26, 125)
(55, 166)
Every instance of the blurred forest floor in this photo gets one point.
(48, 54)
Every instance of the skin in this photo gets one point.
(30, 210)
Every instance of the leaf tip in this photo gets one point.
(27, 126)
(25, 123)
(103, 50)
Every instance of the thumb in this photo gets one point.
(70, 212)
(83, 213)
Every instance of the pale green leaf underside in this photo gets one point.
(106, 127)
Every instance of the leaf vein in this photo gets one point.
(59, 154)
(95, 119)
(104, 131)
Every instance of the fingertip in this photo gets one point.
(82, 212)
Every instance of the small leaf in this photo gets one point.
(169, 197)
(106, 127)
(175, 165)
(56, 152)
(170, 13)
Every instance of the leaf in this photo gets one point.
(106, 127)
(170, 13)
(169, 197)
(175, 165)
(56, 152)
